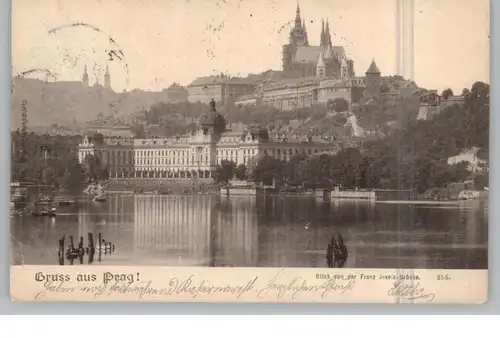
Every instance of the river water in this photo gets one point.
(272, 231)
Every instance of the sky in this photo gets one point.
(165, 41)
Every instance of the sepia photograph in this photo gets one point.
(250, 133)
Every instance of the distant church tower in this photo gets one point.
(107, 79)
(373, 85)
(320, 66)
(85, 77)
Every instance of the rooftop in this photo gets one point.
(221, 79)
(310, 54)
(373, 69)
(293, 83)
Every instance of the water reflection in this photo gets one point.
(274, 231)
(195, 230)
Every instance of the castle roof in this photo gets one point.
(293, 83)
(373, 69)
(329, 52)
(321, 62)
(310, 54)
(214, 80)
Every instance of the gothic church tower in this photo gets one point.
(107, 79)
(85, 77)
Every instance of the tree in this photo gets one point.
(461, 171)
(481, 181)
(49, 177)
(93, 168)
(295, 170)
(447, 93)
(269, 170)
(340, 104)
(225, 171)
(240, 172)
(74, 175)
(384, 88)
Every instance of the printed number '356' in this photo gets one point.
(443, 277)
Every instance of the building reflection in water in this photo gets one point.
(272, 231)
(195, 230)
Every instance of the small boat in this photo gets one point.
(66, 202)
(51, 212)
(48, 212)
(45, 200)
(100, 198)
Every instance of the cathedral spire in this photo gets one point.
(305, 32)
(328, 38)
(107, 78)
(85, 77)
(322, 38)
(297, 18)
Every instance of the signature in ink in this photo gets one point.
(410, 291)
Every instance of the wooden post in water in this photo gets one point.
(61, 246)
(91, 241)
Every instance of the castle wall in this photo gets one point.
(206, 93)
(332, 93)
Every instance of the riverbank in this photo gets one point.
(207, 186)
(163, 187)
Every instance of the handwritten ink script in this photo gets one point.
(409, 291)
(278, 287)
(297, 285)
(188, 284)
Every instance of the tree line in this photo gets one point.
(414, 157)
(53, 161)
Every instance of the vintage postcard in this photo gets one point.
(250, 151)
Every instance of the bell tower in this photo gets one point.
(85, 77)
(107, 79)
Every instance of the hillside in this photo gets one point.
(69, 102)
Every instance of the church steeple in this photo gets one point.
(85, 77)
(107, 79)
(298, 34)
(297, 18)
(328, 38)
(322, 38)
(320, 66)
(305, 32)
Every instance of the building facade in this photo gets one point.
(115, 154)
(221, 88)
(474, 163)
(196, 155)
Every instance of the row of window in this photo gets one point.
(227, 154)
(173, 161)
(144, 153)
(334, 89)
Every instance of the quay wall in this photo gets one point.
(353, 194)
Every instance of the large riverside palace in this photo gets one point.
(195, 155)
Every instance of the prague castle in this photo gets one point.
(310, 75)
(302, 60)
